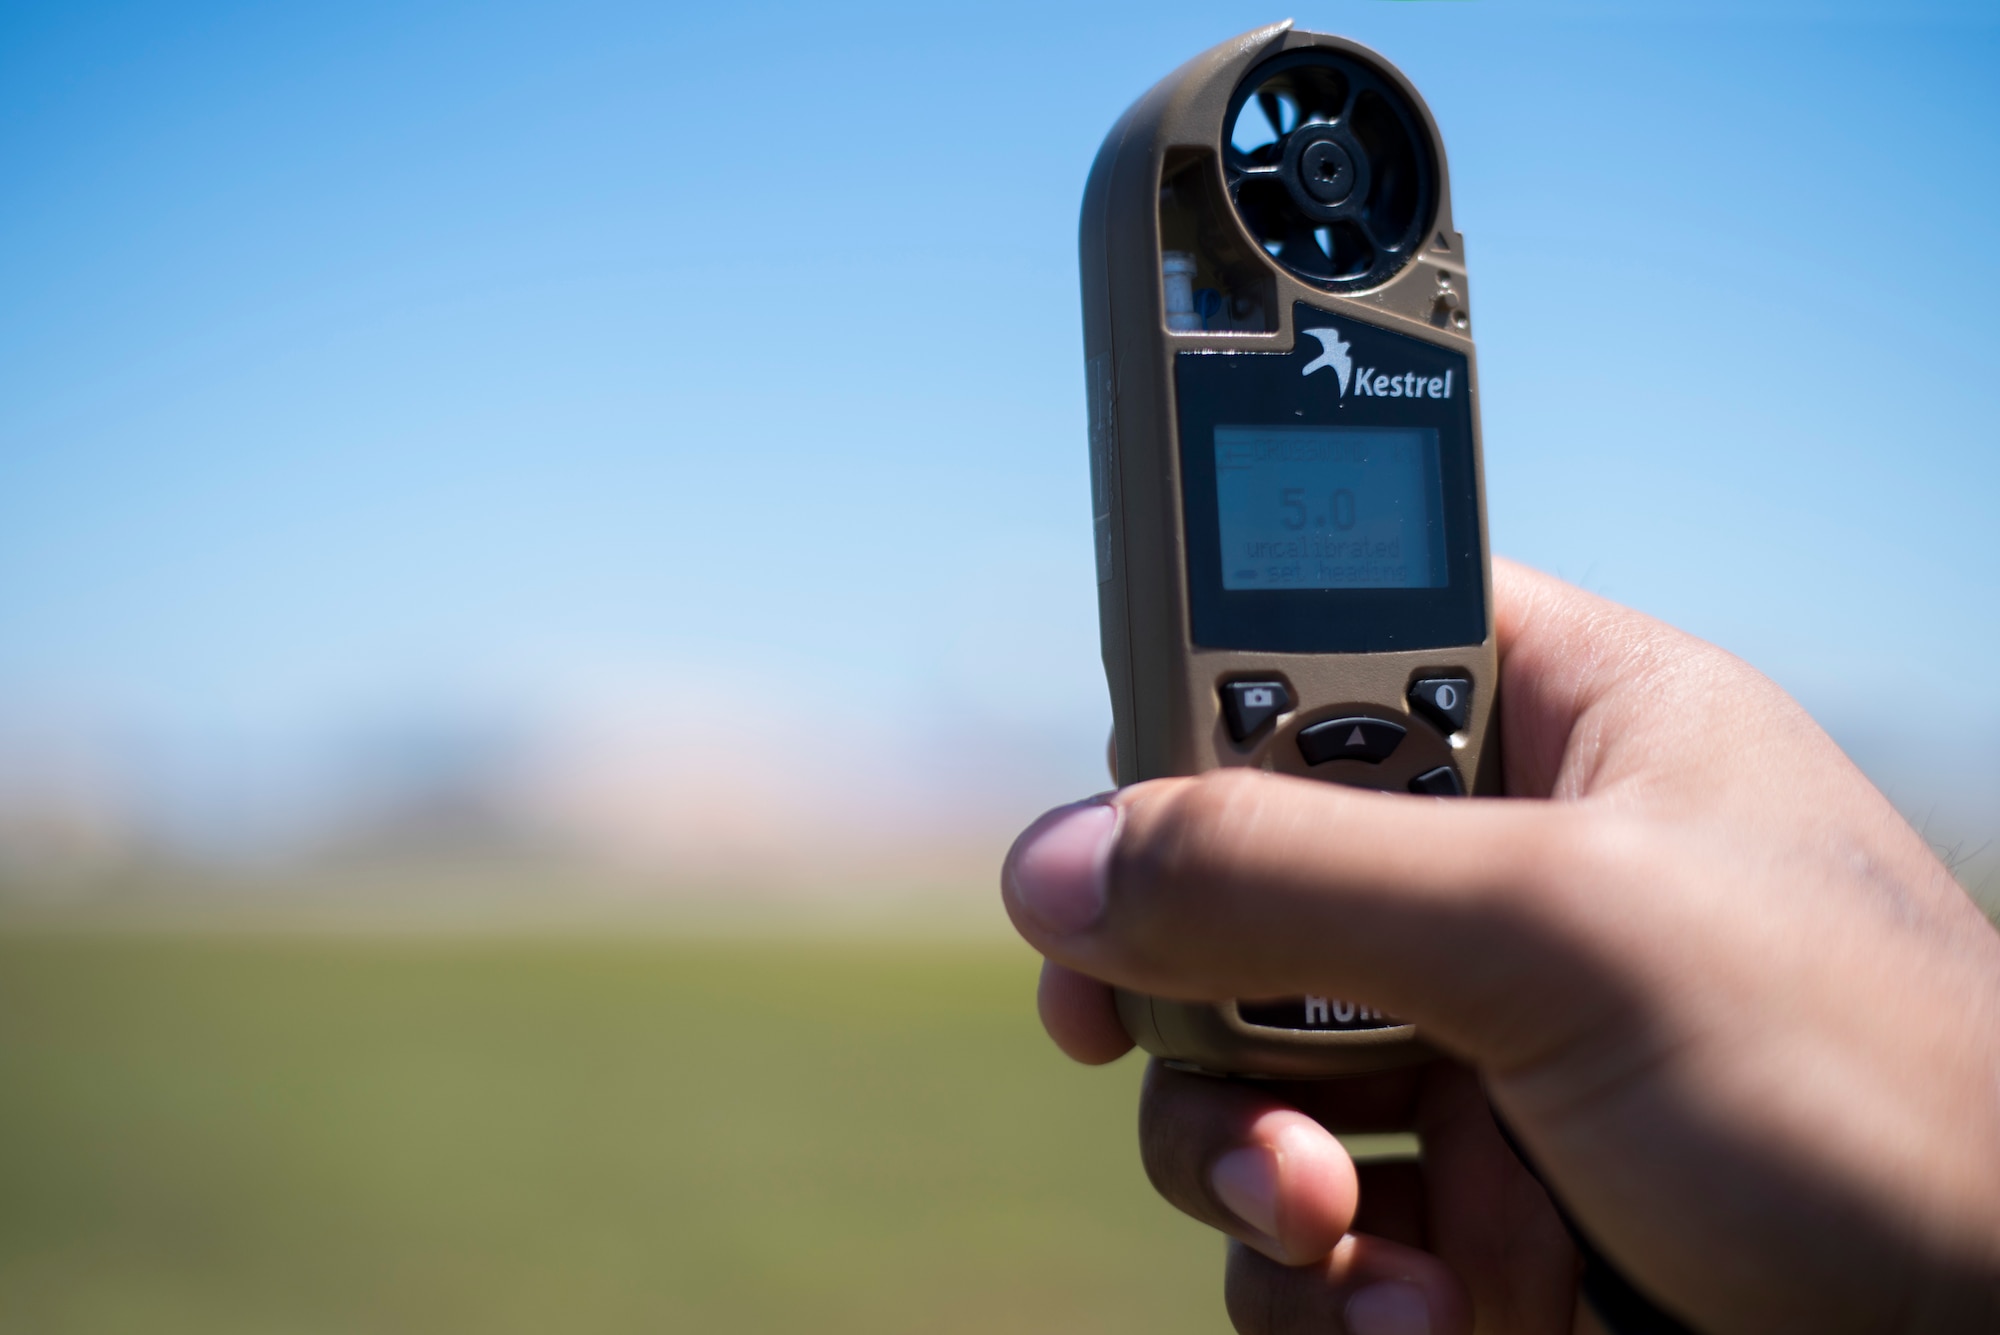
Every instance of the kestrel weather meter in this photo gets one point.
(1285, 468)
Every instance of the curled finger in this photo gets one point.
(1079, 1014)
(1366, 1286)
(1243, 1161)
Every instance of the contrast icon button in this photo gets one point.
(1249, 705)
(1440, 782)
(1446, 700)
(1369, 739)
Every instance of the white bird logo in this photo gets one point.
(1333, 352)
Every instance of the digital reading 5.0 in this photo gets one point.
(1313, 507)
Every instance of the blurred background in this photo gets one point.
(544, 555)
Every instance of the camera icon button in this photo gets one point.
(1248, 705)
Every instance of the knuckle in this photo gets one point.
(1173, 1148)
(1584, 850)
(1569, 850)
(1247, 1292)
(1176, 848)
(1265, 1298)
(1162, 1144)
(1193, 858)
(1188, 835)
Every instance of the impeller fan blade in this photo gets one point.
(1365, 237)
(1320, 100)
(1301, 252)
(1274, 112)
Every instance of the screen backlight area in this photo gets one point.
(1326, 507)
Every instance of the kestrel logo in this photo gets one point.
(1368, 381)
(1333, 353)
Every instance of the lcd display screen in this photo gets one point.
(1318, 507)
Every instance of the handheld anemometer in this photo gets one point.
(1292, 567)
(1285, 468)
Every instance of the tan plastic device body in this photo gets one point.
(1165, 687)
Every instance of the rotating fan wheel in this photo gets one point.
(1330, 169)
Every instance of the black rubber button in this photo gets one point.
(1249, 705)
(1446, 700)
(1369, 739)
(1440, 782)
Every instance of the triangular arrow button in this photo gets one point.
(1369, 740)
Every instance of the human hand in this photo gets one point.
(1742, 1018)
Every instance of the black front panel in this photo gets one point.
(1329, 495)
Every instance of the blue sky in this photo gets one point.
(384, 361)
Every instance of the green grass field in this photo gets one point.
(421, 1134)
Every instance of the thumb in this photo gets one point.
(1485, 923)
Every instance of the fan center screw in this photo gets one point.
(1326, 172)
